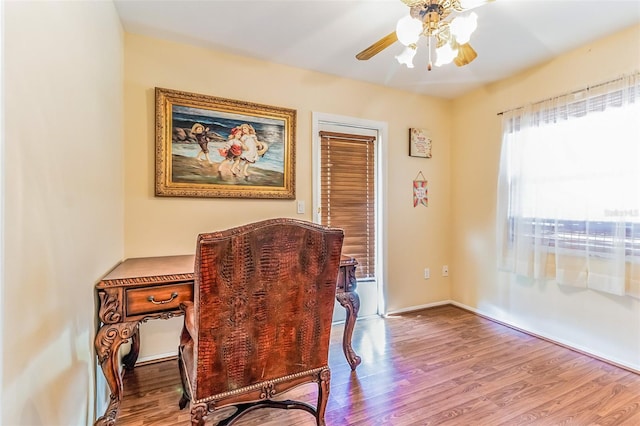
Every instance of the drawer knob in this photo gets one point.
(153, 300)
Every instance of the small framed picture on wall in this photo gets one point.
(419, 143)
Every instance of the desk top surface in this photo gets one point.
(161, 266)
(151, 267)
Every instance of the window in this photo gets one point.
(347, 194)
(569, 189)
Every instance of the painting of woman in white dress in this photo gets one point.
(215, 147)
(253, 148)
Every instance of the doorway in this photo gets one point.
(371, 285)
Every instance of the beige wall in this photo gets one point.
(417, 237)
(63, 202)
(601, 324)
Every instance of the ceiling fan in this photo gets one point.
(430, 18)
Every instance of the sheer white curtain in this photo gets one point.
(569, 189)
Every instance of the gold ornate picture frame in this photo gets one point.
(214, 147)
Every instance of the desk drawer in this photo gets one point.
(162, 298)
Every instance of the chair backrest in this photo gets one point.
(263, 298)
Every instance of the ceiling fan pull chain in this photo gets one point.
(430, 65)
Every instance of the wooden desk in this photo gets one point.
(141, 289)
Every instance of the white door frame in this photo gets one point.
(318, 119)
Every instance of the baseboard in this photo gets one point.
(548, 338)
(156, 358)
(418, 308)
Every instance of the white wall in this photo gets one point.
(598, 323)
(63, 202)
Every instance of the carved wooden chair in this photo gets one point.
(261, 317)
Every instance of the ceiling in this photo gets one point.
(325, 35)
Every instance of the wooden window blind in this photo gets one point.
(347, 194)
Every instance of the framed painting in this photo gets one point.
(419, 143)
(214, 147)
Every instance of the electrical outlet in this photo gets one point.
(300, 207)
(445, 271)
(427, 274)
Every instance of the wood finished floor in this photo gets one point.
(438, 366)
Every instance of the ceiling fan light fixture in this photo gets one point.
(441, 23)
(408, 30)
(406, 57)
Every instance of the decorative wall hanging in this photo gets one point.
(214, 147)
(420, 191)
(419, 143)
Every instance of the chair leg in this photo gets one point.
(323, 396)
(184, 400)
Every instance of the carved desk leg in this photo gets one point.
(350, 301)
(108, 340)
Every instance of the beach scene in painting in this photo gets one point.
(214, 147)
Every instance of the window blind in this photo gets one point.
(347, 194)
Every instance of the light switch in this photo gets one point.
(300, 207)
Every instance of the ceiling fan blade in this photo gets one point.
(377, 47)
(466, 54)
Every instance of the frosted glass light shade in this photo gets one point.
(408, 30)
(406, 57)
(463, 26)
(445, 55)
